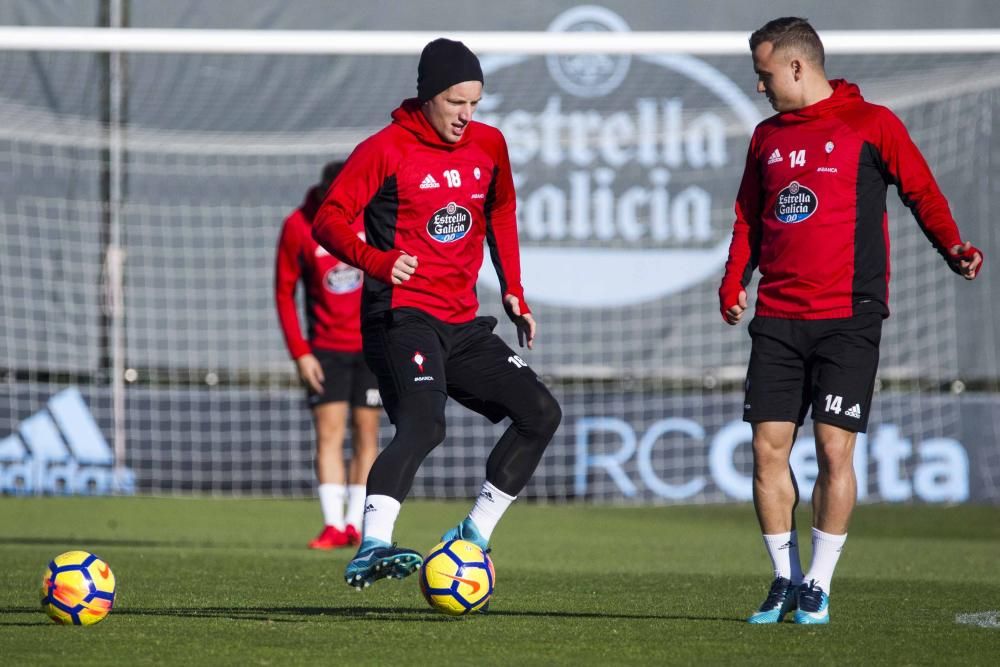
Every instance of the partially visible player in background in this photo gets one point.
(811, 215)
(339, 384)
(434, 184)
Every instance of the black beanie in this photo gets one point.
(444, 63)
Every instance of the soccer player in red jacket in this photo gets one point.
(330, 364)
(433, 185)
(811, 216)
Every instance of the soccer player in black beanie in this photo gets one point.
(435, 184)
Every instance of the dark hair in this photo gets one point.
(792, 33)
(330, 171)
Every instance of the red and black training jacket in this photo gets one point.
(332, 287)
(431, 199)
(811, 209)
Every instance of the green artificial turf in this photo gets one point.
(230, 582)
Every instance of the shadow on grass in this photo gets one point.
(101, 541)
(96, 542)
(42, 619)
(289, 614)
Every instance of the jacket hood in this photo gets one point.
(844, 93)
(409, 117)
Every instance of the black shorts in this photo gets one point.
(410, 351)
(346, 377)
(829, 364)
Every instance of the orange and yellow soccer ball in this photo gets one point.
(78, 589)
(457, 578)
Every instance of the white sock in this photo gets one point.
(826, 552)
(783, 548)
(380, 516)
(331, 499)
(355, 504)
(489, 508)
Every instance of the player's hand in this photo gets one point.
(405, 266)
(311, 372)
(734, 313)
(966, 260)
(525, 324)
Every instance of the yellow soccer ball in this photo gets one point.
(78, 589)
(457, 578)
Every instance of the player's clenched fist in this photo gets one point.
(405, 266)
(734, 313)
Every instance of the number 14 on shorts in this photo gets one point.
(834, 403)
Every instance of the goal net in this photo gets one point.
(143, 193)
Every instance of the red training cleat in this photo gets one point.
(353, 536)
(330, 538)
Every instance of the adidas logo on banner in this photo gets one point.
(61, 450)
(854, 411)
(775, 157)
(429, 183)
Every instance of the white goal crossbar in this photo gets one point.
(319, 42)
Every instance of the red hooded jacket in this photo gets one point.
(332, 288)
(431, 199)
(811, 213)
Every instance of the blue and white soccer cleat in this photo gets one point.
(814, 605)
(380, 560)
(781, 599)
(467, 531)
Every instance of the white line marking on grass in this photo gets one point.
(982, 619)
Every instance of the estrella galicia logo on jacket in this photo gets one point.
(449, 223)
(342, 279)
(795, 203)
